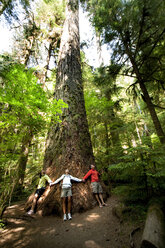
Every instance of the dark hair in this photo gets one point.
(41, 172)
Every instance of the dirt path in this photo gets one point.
(96, 228)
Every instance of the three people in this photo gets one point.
(66, 191)
(40, 190)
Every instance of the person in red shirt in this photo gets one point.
(95, 184)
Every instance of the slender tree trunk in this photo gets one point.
(112, 116)
(69, 144)
(149, 103)
(153, 114)
(99, 49)
(26, 141)
(107, 140)
(47, 64)
(107, 143)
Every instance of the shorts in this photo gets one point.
(40, 191)
(96, 188)
(65, 192)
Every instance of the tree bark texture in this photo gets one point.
(68, 143)
(154, 231)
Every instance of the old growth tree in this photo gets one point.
(68, 143)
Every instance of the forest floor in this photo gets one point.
(95, 228)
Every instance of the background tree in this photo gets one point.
(136, 33)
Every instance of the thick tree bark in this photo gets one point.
(69, 144)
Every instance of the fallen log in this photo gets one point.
(154, 230)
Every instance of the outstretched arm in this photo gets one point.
(75, 179)
(58, 180)
(87, 175)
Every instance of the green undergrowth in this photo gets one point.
(132, 209)
(2, 224)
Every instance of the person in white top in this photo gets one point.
(66, 191)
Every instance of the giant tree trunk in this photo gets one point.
(68, 143)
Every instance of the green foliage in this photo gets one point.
(135, 26)
(126, 143)
(25, 108)
(27, 105)
(135, 32)
(142, 170)
(2, 224)
(102, 106)
(51, 13)
(22, 95)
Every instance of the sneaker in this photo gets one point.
(30, 212)
(65, 217)
(69, 216)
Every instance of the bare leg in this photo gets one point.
(98, 200)
(64, 205)
(69, 204)
(34, 202)
(101, 198)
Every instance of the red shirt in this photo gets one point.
(94, 175)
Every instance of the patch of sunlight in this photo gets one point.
(13, 206)
(93, 217)
(49, 230)
(10, 234)
(18, 229)
(16, 221)
(77, 225)
(91, 244)
(5, 230)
